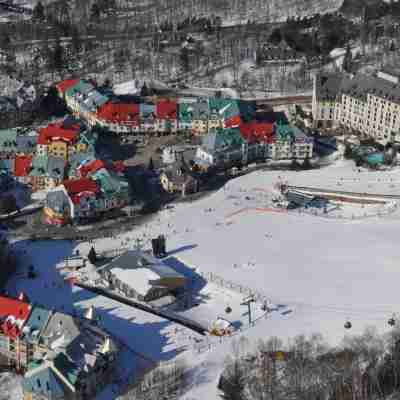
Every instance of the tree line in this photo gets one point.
(364, 367)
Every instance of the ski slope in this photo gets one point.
(317, 271)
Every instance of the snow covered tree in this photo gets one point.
(232, 383)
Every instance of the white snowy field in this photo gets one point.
(321, 271)
(325, 270)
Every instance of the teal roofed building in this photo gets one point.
(185, 114)
(8, 140)
(115, 189)
(36, 323)
(43, 381)
(73, 358)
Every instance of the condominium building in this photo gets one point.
(366, 104)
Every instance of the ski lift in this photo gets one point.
(228, 310)
(347, 325)
(392, 321)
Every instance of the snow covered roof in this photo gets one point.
(140, 270)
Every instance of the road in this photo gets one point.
(281, 101)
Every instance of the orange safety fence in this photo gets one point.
(258, 209)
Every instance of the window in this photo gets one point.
(47, 386)
(39, 385)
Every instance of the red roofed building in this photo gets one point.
(257, 131)
(233, 122)
(119, 167)
(57, 140)
(91, 167)
(119, 117)
(78, 187)
(63, 86)
(166, 116)
(22, 167)
(13, 315)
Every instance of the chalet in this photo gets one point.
(140, 275)
(115, 192)
(63, 86)
(185, 113)
(8, 142)
(22, 168)
(97, 190)
(201, 115)
(62, 139)
(13, 315)
(148, 117)
(62, 357)
(46, 172)
(119, 117)
(177, 177)
(74, 358)
(166, 116)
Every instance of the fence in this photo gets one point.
(236, 287)
(388, 209)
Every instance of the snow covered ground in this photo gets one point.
(318, 272)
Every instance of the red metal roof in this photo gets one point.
(57, 131)
(233, 122)
(123, 113)
(18, 311)
(91, 167)
(166, 109)
(63, 86)
(119, 166)
(22, 165)
(257, 131)
(76, 187)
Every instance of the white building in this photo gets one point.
(367, 104)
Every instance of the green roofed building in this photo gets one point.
(72, 358)
(8, 140)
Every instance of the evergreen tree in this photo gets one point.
(348, 153)
(92, 256)
(294, 165)
(95, 13)
(151, 165)
(38, 12)
(76, 40)
(306, 163)
(347, 60)
(144, 91)
(5, 41)
(58, 57)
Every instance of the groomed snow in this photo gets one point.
(320, 271)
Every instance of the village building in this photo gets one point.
(178, 178)
(185, 113)
(61, 357)
(362, 103)
(166, 116)
(98, 188)
(141, 276)
(46, 172)
(119, 117)
(201, 115)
